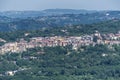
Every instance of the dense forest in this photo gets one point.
(100, 62)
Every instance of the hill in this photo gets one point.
(111, 26)
(47, 12)
(99, 62)
(35, 23)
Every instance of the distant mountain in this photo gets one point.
(47, 12)
(67, 11)
(21, 14)
(51, 12)
(5, 19)
(32, 23)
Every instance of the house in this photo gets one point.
(10, 73)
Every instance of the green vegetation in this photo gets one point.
(36, 20)
(100, 62)
(111, 26)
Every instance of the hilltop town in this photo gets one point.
(75, 41)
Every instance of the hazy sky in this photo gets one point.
(63, 4)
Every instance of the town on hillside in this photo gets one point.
(75, 41)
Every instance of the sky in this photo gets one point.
(36, 5)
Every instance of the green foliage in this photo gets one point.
(56, 64)
(99, 62)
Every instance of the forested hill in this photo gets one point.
(98, 62)
(47, 12)
(111, 26)
(35, 23)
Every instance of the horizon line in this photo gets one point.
(60, 9)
